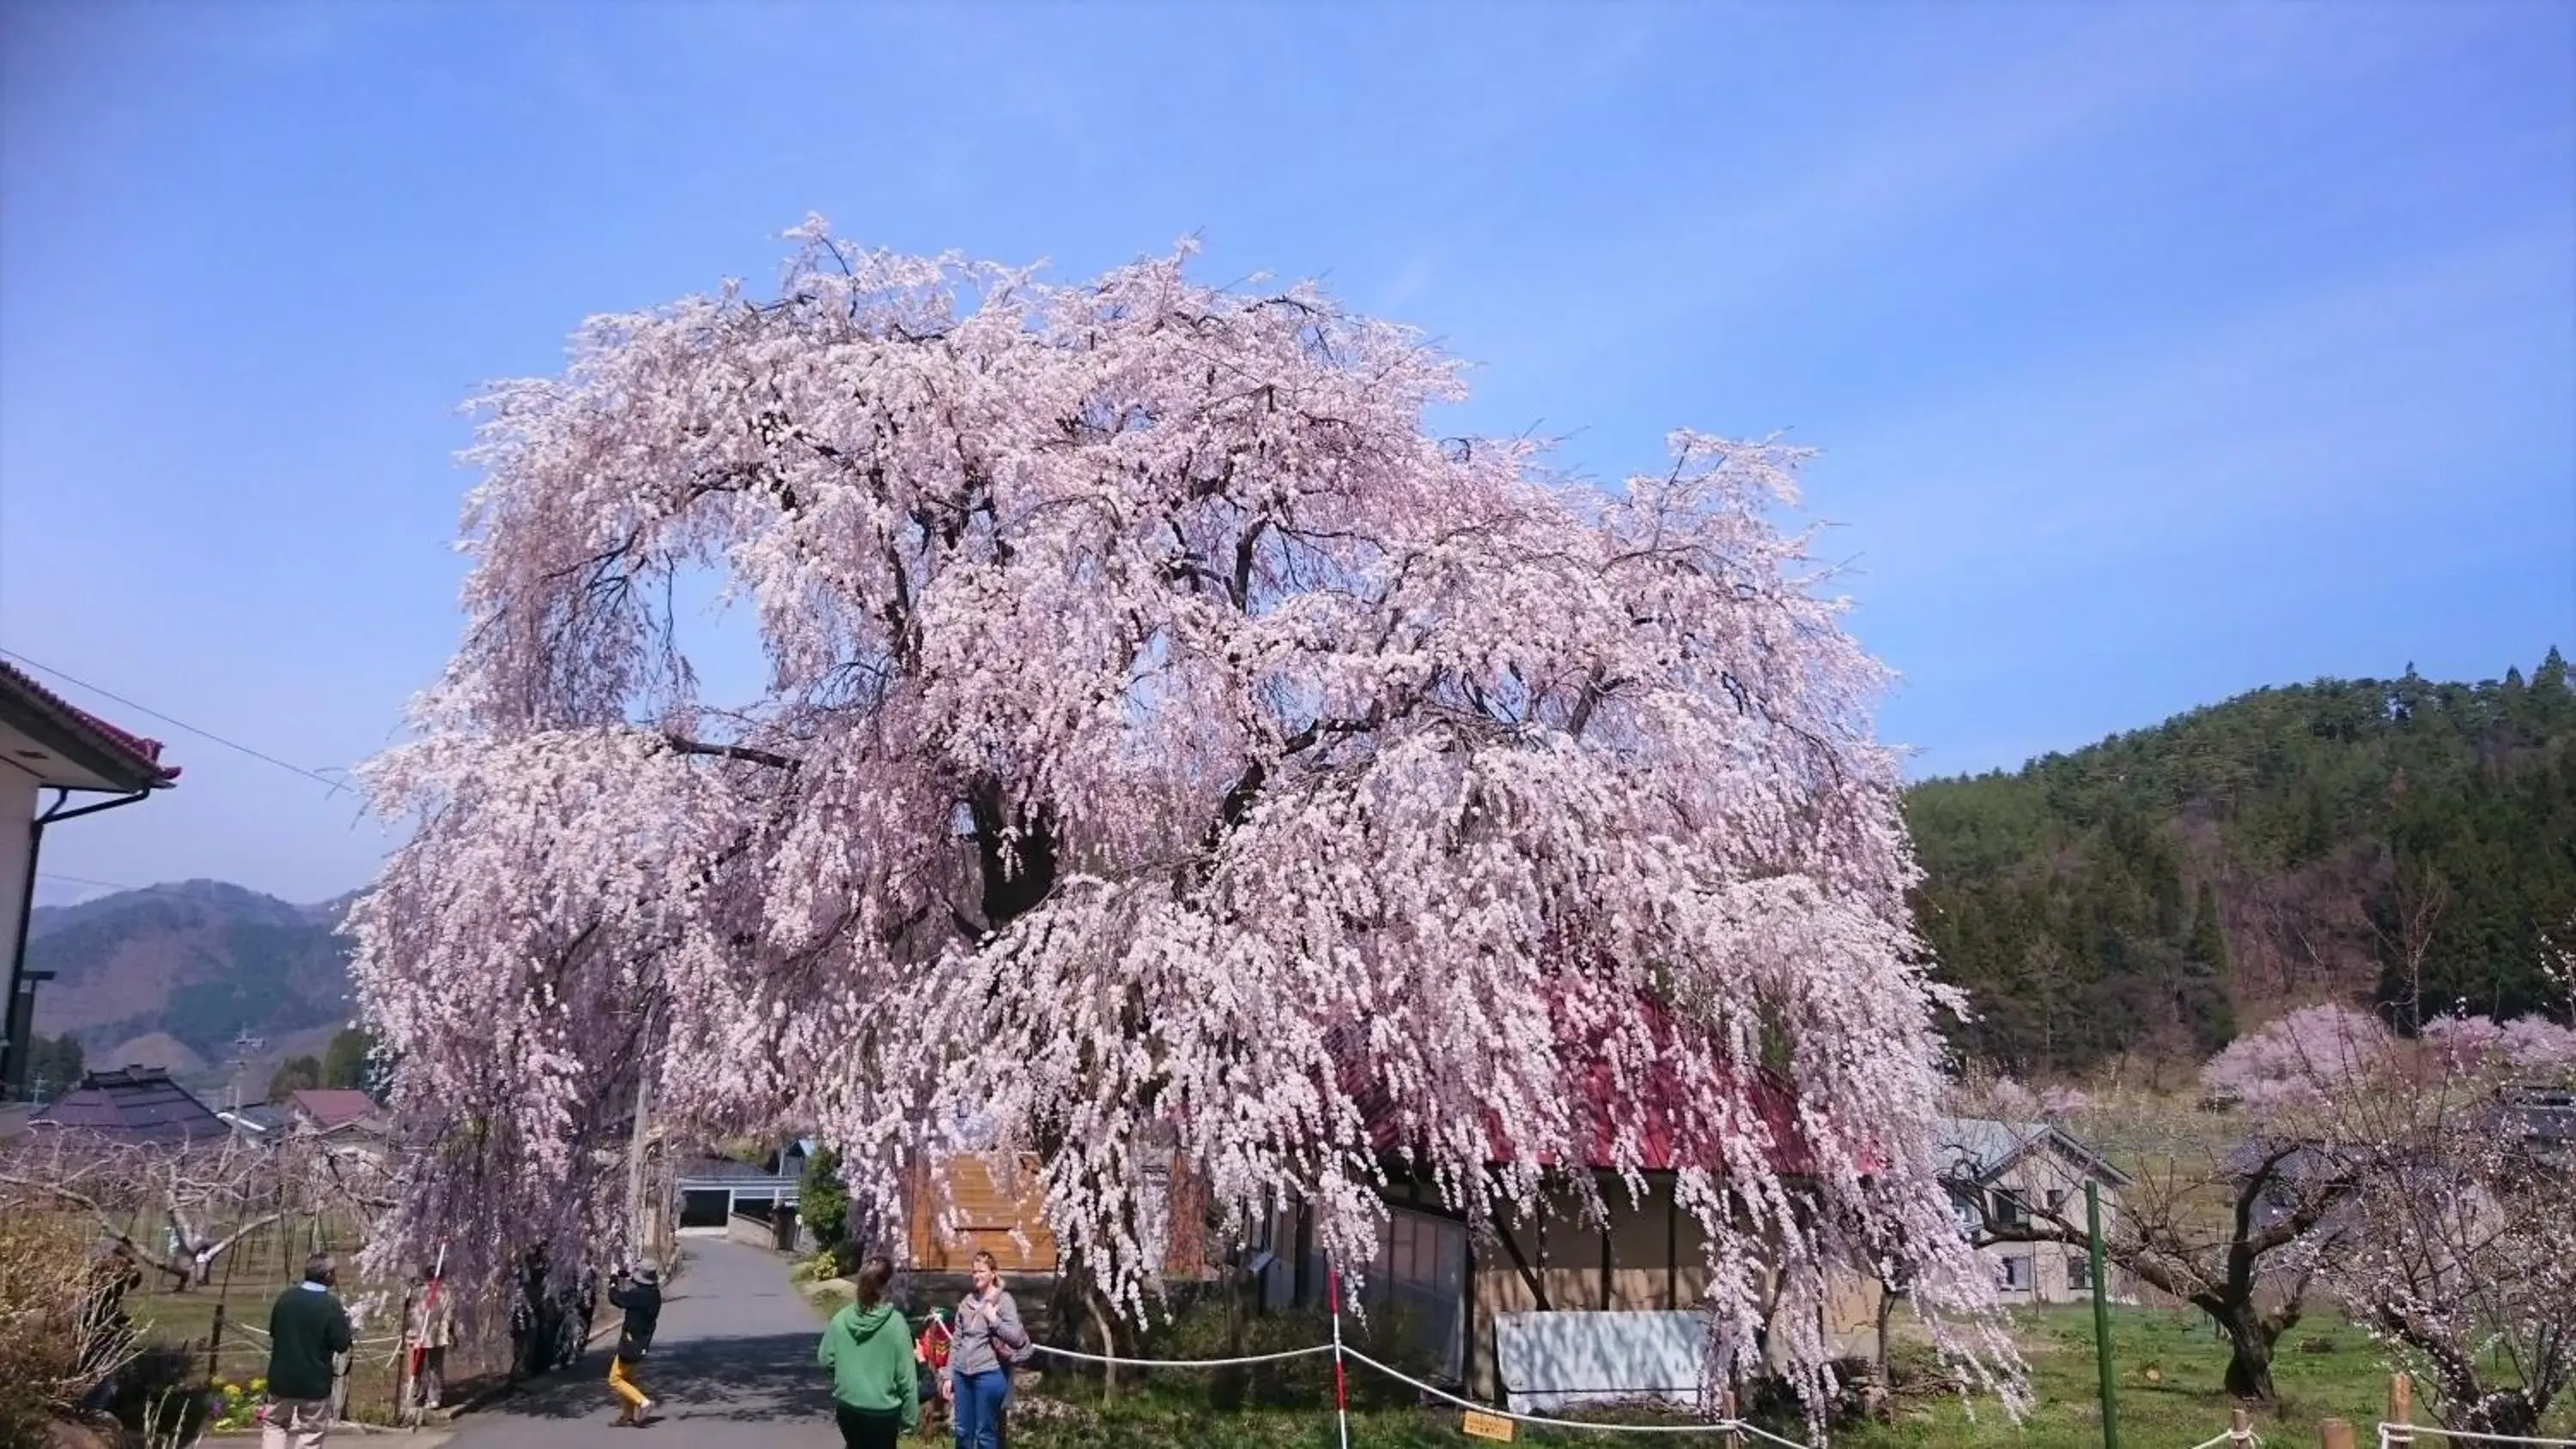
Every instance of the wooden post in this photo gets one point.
(2334, 1434)
(215, 1348)
(1733, 1438)
(2401, 1411)
(2240, 1429)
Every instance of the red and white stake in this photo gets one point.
(1341, 1389)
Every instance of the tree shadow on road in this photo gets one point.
(766, 1379)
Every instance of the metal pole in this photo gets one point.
(1341, 1393)
(2102, 1317)
(636, 1222)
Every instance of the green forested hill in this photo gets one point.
(2399, 839)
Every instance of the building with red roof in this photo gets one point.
(333, 1109)
(1454, 1279)
(49, 745)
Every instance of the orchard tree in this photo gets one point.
(2460, 1258)
(1162, 745)
(2400, 1176)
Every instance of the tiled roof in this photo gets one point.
(257, 1116)
(1991, 1146)
(137, 1104)
(1667, 1136)
(333, 1107)
(142, 755)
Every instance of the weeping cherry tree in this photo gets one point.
(1165, 748)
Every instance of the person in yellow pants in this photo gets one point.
(641, 1297)
(637, 1404)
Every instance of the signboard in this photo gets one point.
(1553, 1361)
(1487, 1426)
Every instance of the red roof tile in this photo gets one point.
(1673, 1116)
(143, 754)
(333, 1107)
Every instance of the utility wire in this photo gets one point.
(335, 785)
(82, 880)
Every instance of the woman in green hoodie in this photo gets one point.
(868, 1348)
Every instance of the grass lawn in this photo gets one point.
(2169, 1364)
(2179, 1405)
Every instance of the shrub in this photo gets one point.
(56, 1341)
(1201, 1330)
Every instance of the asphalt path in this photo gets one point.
(732, 1368)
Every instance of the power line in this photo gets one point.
(83, 880)
(203, 734)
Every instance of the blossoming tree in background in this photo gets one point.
(2434, 1189)
(1161, 742)
(2458, 1254)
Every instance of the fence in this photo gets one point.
(1728, 1429)
(2398, 1431)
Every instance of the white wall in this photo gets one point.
(17, 842)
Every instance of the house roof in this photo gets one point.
(2545, 1115)
(1670, 1115)
(58, 738)
(1990, 1147)
(256, 1117)
(704, 1169)
(136, 1104)
(332, 1108)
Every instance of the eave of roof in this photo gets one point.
(84, 738)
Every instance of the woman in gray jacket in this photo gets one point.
(989, 1341)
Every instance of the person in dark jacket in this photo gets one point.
(641, 1297)
(532, 1326)
(307, 1331)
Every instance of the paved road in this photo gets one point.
(732, 1368)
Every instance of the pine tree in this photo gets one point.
(347, 1062)
(295, 1074)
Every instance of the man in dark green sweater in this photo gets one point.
(307, 1331)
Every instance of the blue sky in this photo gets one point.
(2157, 352)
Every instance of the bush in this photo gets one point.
(1202, 1330)
(1770, 1399)
(56, 1345)
(822, 1201)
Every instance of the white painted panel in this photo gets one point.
(1561, 1360)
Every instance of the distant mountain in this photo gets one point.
(170, 975)
(2398, 841)
(2402, 841)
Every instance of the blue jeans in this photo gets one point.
(980, 1398)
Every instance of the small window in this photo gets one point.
(2009, 1211)
(2015, 1276)
(2079, 1272)
(1971, 1217)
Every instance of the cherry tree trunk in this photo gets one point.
(2249, 1354)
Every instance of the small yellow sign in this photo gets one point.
(1487, 1426)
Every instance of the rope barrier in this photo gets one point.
(1184, 1363)
(2388, 1436)
(2232, 1440)
(1720, 1426)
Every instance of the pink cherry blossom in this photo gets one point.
(1165, 743)
(2295, 1060)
